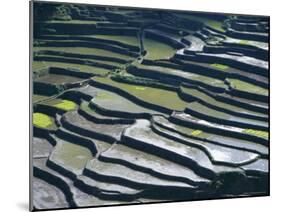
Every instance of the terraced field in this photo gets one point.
(134, 106)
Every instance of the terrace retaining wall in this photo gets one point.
(57, 182)
(218, 131)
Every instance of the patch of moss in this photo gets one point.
(42, 120)
(66, 105)
(140, 88)
(196, 132)
(244, 42)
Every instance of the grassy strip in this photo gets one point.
(37, 98)
(244, 42)
(84, 50)
(219, 66)
(132, 40)
(78, 67)
(258, 133)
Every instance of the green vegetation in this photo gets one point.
(42, 120)
(38, 65)
(37, 98)
(85, 107)
(219, 66)
(185, 130)
(63, 104)
(247, 87)
(258, 133)
(140, 88)
(156, 96)
(196, 132)
(112, 101)
(90, 62)
(66, 105)
(132, 40)
(85, 51)
(215, 24)
(209, 22)
(244, 42)
(196, 106)
(58, 79)
(157, 50)
(77, 67)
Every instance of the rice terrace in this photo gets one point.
(136, 105)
